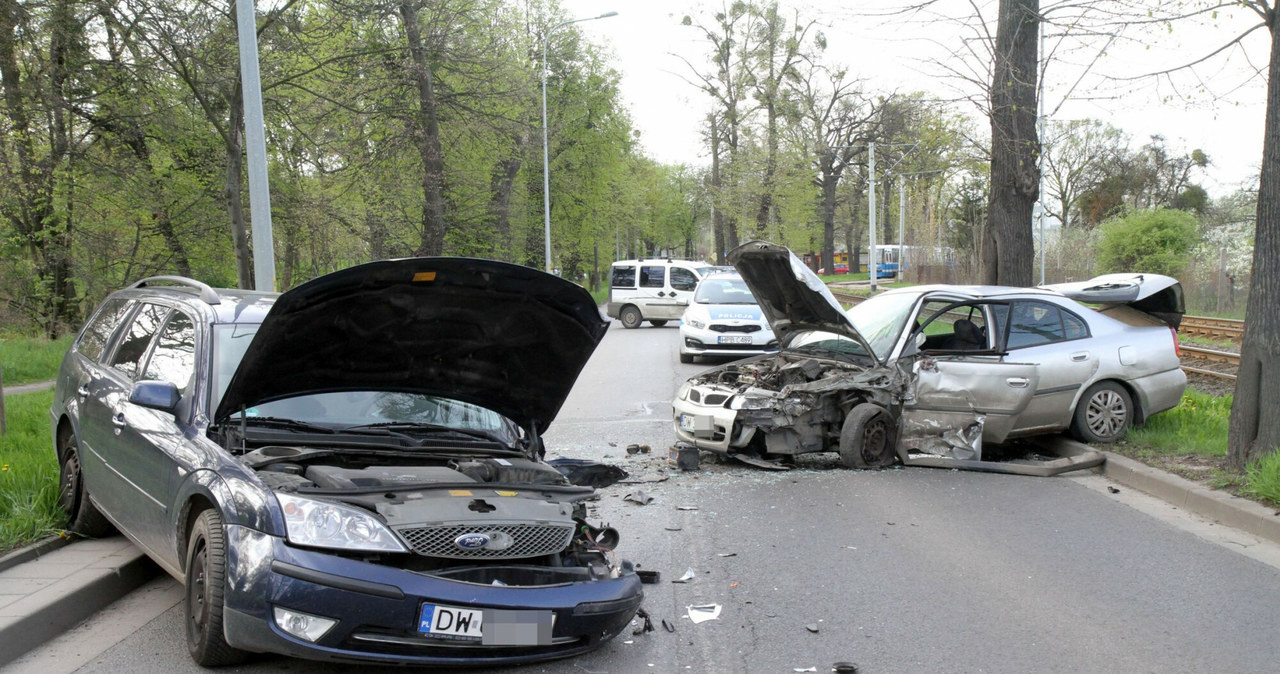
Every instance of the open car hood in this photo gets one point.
(1160, 296)
(505, 337)
(791, 296)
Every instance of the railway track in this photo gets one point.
(1223, 328)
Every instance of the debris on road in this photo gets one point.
(647, 626)
(686, 507)
(703, 613)
(648, 577)
(1113, 490)
(812, 627)
(688, 576)
(588, 473)
(668, 625)
(726, 554)
(639, 497)
(844, 668)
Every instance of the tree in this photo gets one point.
(1155, 241)
(1077, 155)
(1015, 147)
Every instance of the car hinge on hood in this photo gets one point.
(535, 442)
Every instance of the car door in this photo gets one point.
(651, 292)
(960, 376)
(112, 427)
(681, 284)
(1057, 342)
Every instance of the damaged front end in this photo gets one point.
(778, 406)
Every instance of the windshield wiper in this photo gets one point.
(288, 424)
(395, 426)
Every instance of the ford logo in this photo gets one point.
(471, 541)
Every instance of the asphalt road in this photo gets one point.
(906, 570)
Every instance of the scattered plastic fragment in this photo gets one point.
(648, 577)
(804, 669)
(726, 554)
(845, 668)
(703, 613)
(639, 497)
(733, 584)
(646, 627)
(688, 576)
(673, 528)
(668, 625)
(1113, 490)
(686, 507)
(588, 473)
(812, 627)
(638, 449)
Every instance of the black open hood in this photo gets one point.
(505, 337)
(791, 296)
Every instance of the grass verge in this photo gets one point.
(28, 473)
(1198, 425)
(1262, 479)
(28, 359)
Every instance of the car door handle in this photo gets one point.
(661, 294)
(1017, 382)
(83, 391)
(1080, 356)
(118, 419)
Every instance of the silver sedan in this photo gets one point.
(929, 375)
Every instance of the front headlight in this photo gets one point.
(695, 323)
(741, 402)
(323, 524)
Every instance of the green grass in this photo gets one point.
(29, 359)
(1198, 425)
(28, 473)
(1262, 479)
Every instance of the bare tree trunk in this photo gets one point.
(717, 216)
(1015, 174)
(426, 136)
(234, 194)
(829, 180)
(1254, 430)
(501, 183)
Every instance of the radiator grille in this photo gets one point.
(527, 540)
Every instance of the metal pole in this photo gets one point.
(264, 263)
(871, 207)
(902, 228)
(546, 164)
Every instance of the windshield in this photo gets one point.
(724, 290)
(880, 320)
(826, 343)
(354, 408)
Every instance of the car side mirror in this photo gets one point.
(156, 395)
(914, 345)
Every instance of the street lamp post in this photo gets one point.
(546, 164)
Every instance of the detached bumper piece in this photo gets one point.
(1048, 456)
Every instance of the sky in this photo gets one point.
(1223, 116)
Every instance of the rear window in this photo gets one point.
(96, 334)
(624, 276)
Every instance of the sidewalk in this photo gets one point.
(28, 388)
(49, 587)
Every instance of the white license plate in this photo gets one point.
(686, 422)
(732, 339)
(492, 627)
(451, 622)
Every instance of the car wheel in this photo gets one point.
(866, 439)
(630, 317)
(1103, 414)
(206, 581)
(658, 323)
(686, 358)
(73, 497)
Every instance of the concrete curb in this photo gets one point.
(1221, 507)
(33, 551)
(51, 611)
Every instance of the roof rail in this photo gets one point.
(206, 293)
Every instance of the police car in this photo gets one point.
(724, 320)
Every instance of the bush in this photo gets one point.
(1155, 241)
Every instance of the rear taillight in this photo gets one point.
(1177, 348)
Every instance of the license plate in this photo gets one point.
(491, 627)
(686, 422)
(451, 622)
(732, 339)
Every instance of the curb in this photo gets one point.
(61, 607)
(41, 547)
(1232, 511)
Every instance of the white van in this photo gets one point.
(654, 290)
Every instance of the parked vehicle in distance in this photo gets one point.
(927, 375)
(654, 290)
(839, 268)
(724, 320)
(352, 470)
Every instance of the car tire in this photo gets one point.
(686, 358)
(630, 317)
(1103, 414)
(83, 517)
(206, 583)
(657, 323)
(866, 439)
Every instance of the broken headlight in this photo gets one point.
(323, 524)
(741, 402)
